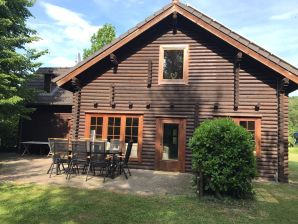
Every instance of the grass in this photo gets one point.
(274, 203)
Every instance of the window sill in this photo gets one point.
(172, 82)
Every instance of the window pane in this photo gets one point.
(243, 124)
(128, 131)
(251, 125)
(98, 130)
(117, 121)
(110, 131)
(111, 121)
(135, 139)
(170, 142)
(92, 128)
(136, 122)
(128, 121)
(116, 130)
(173, 64)
(135, 131)
(93, 120)
(99, 120)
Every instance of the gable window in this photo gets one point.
(173, 64)
(253, 126)
(124, 127)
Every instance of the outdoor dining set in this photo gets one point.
(99, 157)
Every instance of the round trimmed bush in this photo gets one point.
(223, 151)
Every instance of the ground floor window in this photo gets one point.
(124, 127)
(252, 125)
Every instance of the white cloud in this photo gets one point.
(286, 15)
(63, 32)
(61, 61)
(74, 26)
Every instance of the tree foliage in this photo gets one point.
(102, 37)
(223, 152)
(293, 118)
(17, 61)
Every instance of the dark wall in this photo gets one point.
(46, 122)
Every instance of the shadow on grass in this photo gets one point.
(49, 204)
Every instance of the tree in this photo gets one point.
(102, 37)
(293, 118)
(17, 63)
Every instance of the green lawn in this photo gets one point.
(275, 203)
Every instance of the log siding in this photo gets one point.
(210, 83)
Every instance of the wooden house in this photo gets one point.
(52, 105)
(158, 81)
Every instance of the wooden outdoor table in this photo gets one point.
(28, 143)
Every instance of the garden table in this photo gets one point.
(28, 143)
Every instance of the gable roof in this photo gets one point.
(217, 29)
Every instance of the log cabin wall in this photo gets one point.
(208, 94)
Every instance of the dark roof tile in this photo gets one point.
(274, 58)
(243, 41)
(225, 30)
(215, 24)
(206, 19)
(253, 47)
(234, 35)
(293, 70)
(263, 52)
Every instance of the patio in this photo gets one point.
(33, 169)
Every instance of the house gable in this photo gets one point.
(235, 40)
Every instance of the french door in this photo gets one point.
(170, 144)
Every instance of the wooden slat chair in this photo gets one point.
(79, 157)
(123, 164)
(98, 158)
(59, 148)
(115, 145)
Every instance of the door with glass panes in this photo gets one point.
(170, 144)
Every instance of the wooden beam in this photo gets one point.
(196, 115)
(175, 21)
(237, 61)
(76, 84)
(114, 61)
(149, 80)
(282, 143)
(112, 95)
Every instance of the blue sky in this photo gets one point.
(66, 26)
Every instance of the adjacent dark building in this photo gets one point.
(53, 105)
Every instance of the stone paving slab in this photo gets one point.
(33, 169)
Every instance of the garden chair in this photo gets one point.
(59, 149)
(98, 158)
(79, 157)
(123, 164)
(115, 145)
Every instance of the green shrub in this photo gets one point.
(223, 151)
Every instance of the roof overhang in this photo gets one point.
(205, 22)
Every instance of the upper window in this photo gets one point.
(173, 64)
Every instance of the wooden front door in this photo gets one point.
(170, 144)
